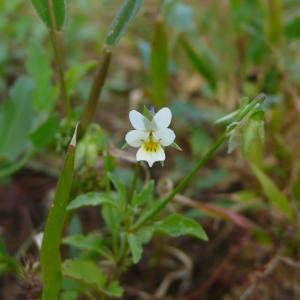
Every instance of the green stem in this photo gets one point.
(123, 250)
(184, 182)
(128, 221)
(106, 170)
(133, 183)
(97, 86)
(59, 60)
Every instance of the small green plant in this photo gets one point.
(131, 215)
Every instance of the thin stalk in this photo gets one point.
(133, 183)
(97, 86)
(106, 170)
(59, 60)
(185, 181)
(124, 250)
(128, 221)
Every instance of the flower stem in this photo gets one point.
(59, 60)
(184, 182)
(97, 86)
(127, 218)
(133, 183)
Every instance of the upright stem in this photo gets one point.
(97, 86)
(127, 221)
(134, 181)
(59, 60)
(184, 182)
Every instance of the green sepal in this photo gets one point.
(125, 145)
(176, 146)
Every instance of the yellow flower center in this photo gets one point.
(151, 146)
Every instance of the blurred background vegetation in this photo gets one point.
(200, 58)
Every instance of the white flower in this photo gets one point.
(150, 136)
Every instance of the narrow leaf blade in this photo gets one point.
(59, 9)
(159, 65)
(50, 253)
(272, 192)
(122, 20)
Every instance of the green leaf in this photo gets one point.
(16, 119)
(112, 215)
(274, 195)
(227, 118)
(50, 251)
(176, 225)
(114, 289)
(199, 63)
(159, 65)
(44, 95)
(136, 247)
(91, 242)
(85, 271)
(8, 264)
(145, 196)
(145, 234)
(122, 20)
(118, 184)
(45, 133)
(59, 10)
(234, 139)
(253, 130)
(137, 240)
(92, 199)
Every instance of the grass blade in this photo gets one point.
(122, 20)
(59, 9)
(159, 65)
(50, 254)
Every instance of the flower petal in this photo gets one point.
(136, 138)
(165, 136)
(138, 121)
(162, 119)
(151, 157)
